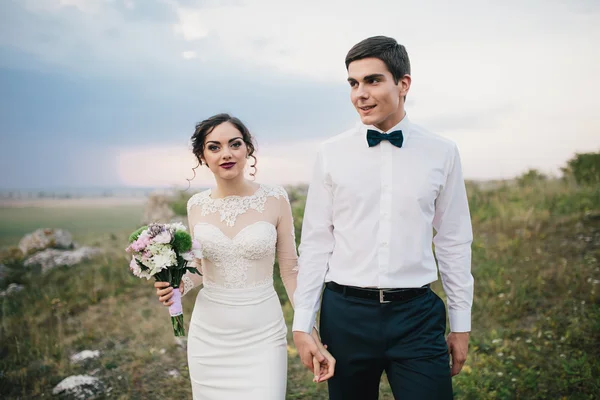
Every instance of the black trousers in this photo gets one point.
(404, 339)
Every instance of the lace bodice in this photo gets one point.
(240, 236)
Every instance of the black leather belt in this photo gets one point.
(381, 295)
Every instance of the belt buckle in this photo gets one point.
(381, 299)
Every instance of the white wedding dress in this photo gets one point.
(237, 346)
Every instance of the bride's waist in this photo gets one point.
(247, 295)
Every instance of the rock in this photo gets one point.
(85, 355)
(181, 341)
(51, 258)
(174, 373)
(158, 209)
(11, 289)
(42, 239)
(79, 387)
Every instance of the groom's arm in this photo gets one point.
(452, 241)
(315, 248)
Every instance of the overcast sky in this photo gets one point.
(107, 92)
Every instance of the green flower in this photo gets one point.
(182, 242)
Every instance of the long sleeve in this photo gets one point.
(286, 248)
(315, 249)
(190, 280)
(452, 241)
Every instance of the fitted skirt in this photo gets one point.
(237, 346)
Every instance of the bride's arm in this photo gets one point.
(190, 280)
(286, 251)
(288, 269)
(286, 247)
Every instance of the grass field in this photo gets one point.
(85, 223)
(536, 314)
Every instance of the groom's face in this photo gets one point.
(376, 97)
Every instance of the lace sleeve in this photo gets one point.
(190, 280)
(286, 247)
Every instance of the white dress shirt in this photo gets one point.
(370, 215)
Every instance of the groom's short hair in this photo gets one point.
(386, 49)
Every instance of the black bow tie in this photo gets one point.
(374, 138)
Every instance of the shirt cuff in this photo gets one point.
(460, 320)
(304, 320)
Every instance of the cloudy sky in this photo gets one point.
(107, 92)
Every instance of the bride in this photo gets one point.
(237, 344)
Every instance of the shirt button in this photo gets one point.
(384, 244)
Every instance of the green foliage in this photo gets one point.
(134, 236)
(585, 168)
(531, 177)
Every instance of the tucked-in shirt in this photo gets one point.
(370, 218)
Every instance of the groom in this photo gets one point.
(378, 192)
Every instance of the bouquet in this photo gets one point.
(162, 252)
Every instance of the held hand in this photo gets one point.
(458, 346)
(307, 349)
(325, 370)
(165, 292)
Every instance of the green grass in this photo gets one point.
(536, 314)
(83, 223)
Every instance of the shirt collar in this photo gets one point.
(404, 126)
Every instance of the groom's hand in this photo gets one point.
(458, 346)
(307, 349)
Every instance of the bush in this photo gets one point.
(531, 177)
(584, 168)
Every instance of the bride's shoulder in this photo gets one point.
(198, 199)
(276, 191)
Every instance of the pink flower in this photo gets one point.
(197, 249)
(134, 267)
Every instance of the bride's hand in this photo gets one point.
(165, 292)
(325, 370)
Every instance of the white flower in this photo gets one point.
(178, 226)
(188, 256)
(163, 237)
(163, 260)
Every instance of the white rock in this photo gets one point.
(174, 373)
(79, 387)
(85, 355)
(181, 341)
(46, 238)
(158, 208)
(11, 289)
(51, 258)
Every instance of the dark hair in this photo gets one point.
(204, 128)
(386, 49)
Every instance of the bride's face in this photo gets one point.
(225, 151)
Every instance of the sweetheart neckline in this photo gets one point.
(237, 234)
